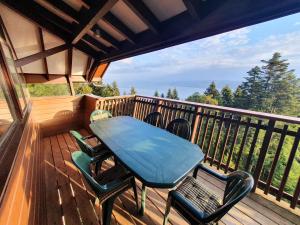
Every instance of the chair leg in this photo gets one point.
(195, 172)
(107, 207)
(168, 207)
(135, 194)
(143, 200)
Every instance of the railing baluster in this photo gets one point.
(233, 143)
(263, 152)
(288, 165)
(195, 124)
(211, 135)
(205, 129)
(217, 139)
(200, 126)
(225, 141)
(253, 144)
(243, 143)
(276, 158)
(295, 199)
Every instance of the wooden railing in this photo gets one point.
(266, 145)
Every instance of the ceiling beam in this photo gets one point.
(43, 54)
(142, 11)
(106, 36)
(90, 17)
(97, 70)
(191, 8)
(87, 67)
(69, 71)
(118, 25)
(64, 7)
(42, 44)
(96, 43)
(24, 9)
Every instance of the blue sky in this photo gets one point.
(224, 58)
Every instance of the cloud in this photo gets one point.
(233, 50)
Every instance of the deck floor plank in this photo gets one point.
(77, 199)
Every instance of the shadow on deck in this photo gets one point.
(70, 201)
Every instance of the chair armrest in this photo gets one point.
(116, 183)
(88, 137)
(100, 157)
(209, 171)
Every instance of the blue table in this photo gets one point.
(156, 157)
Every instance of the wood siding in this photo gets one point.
(21, 201)
(57, 114)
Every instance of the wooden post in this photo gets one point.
(135, 107)
(195, 124)
(263, 152)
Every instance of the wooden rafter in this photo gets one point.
(90, 17)
(64, 7)
(69, 71)
(97, 70)
(42, 44)
(142, 11)
(43, 54)
(119, 26)
(106, 36)
(87, 67)
(96, 43)
(192, 8)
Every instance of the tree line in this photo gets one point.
(272, 88)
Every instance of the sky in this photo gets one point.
(223, 58)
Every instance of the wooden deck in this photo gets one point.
(70, 201)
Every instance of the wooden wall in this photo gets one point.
(58, 114)
(21, 200)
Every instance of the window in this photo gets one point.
(7, 115)
(18, 80)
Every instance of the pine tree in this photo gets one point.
(253, 89)
(133, 91)
(115, 89)
(280, 86)
(239, 97)
(227, 96)
(213, 91)
(175, 94)
(162, 95)
(156, 94)
(169, 93)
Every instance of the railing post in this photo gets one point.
(134, 107)
(195, 124)
(158, 105)
(263, 152)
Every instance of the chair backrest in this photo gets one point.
(155, 119)
(180, 127)
(82, 144)
(82, 161)
(99, 115)
(239, 184)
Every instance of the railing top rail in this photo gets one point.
(270, 116)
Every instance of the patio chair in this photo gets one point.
(99, 115)
(107, 187)
(98, 150)
(155, 119)
(199, 205)
(180, 127)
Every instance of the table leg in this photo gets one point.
(143, 200)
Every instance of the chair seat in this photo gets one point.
(114, 173)
(192, 192)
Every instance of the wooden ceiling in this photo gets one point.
(110, 30)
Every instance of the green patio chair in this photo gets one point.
(155, 119)
(107, 187)
(180, 127)
(98, 150)
(99, 115)
(199, 205)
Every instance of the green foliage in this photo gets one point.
(207, 99)
(226, 96)
(38, 90)
(133, 91)
(156, 94)
(82, 88)
(213, 91)
(107, 90)
(162, 95)
(172, 94)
